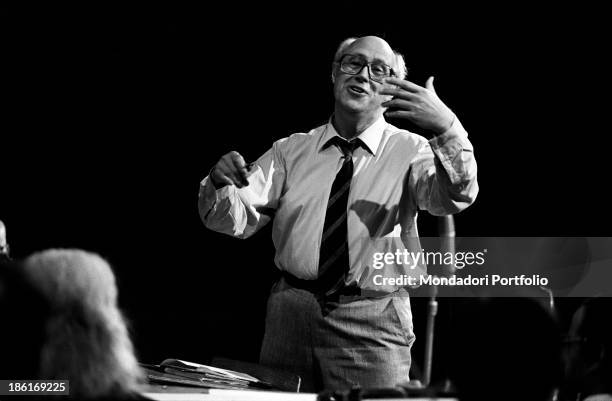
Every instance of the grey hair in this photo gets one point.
(342, 47)
(399, 65)
(87, 339)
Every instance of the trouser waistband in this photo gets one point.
(316, 286)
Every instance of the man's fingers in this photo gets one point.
(406, 85)
(236, 176)
(399, 103)
(219, 176)
(227, 168)
(429, 84)
(400, 114)
(240, 167)
(237, 159)
(398, 93)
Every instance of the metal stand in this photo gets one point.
(446, 228)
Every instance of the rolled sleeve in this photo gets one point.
(242, 212)
(209, 197)
(445, 181)
(449, 148)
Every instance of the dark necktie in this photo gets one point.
(334, 254)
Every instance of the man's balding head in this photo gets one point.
(396, 59)
(372, 41)
(357, 91)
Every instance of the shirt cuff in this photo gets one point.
(210, 196)
(449, 145)
(456, 133)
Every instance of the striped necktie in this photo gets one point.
(334, 252)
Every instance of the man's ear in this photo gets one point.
(333, 74)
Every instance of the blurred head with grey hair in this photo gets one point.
(87, 340)
(359, 70)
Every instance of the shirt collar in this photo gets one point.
(371, 137)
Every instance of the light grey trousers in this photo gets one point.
(338, 344)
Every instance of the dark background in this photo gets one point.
(111, 115)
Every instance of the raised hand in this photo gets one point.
(420, 105)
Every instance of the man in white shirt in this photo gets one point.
(332, 193)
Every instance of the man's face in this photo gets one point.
(358, 93)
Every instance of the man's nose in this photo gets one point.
(363, 75)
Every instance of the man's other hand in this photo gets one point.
(420, 105)
(231, 169)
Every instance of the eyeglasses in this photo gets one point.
(353, 64)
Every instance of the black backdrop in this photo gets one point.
(113, 114)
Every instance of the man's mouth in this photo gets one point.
(357, 90)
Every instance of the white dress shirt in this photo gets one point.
(395, 174)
